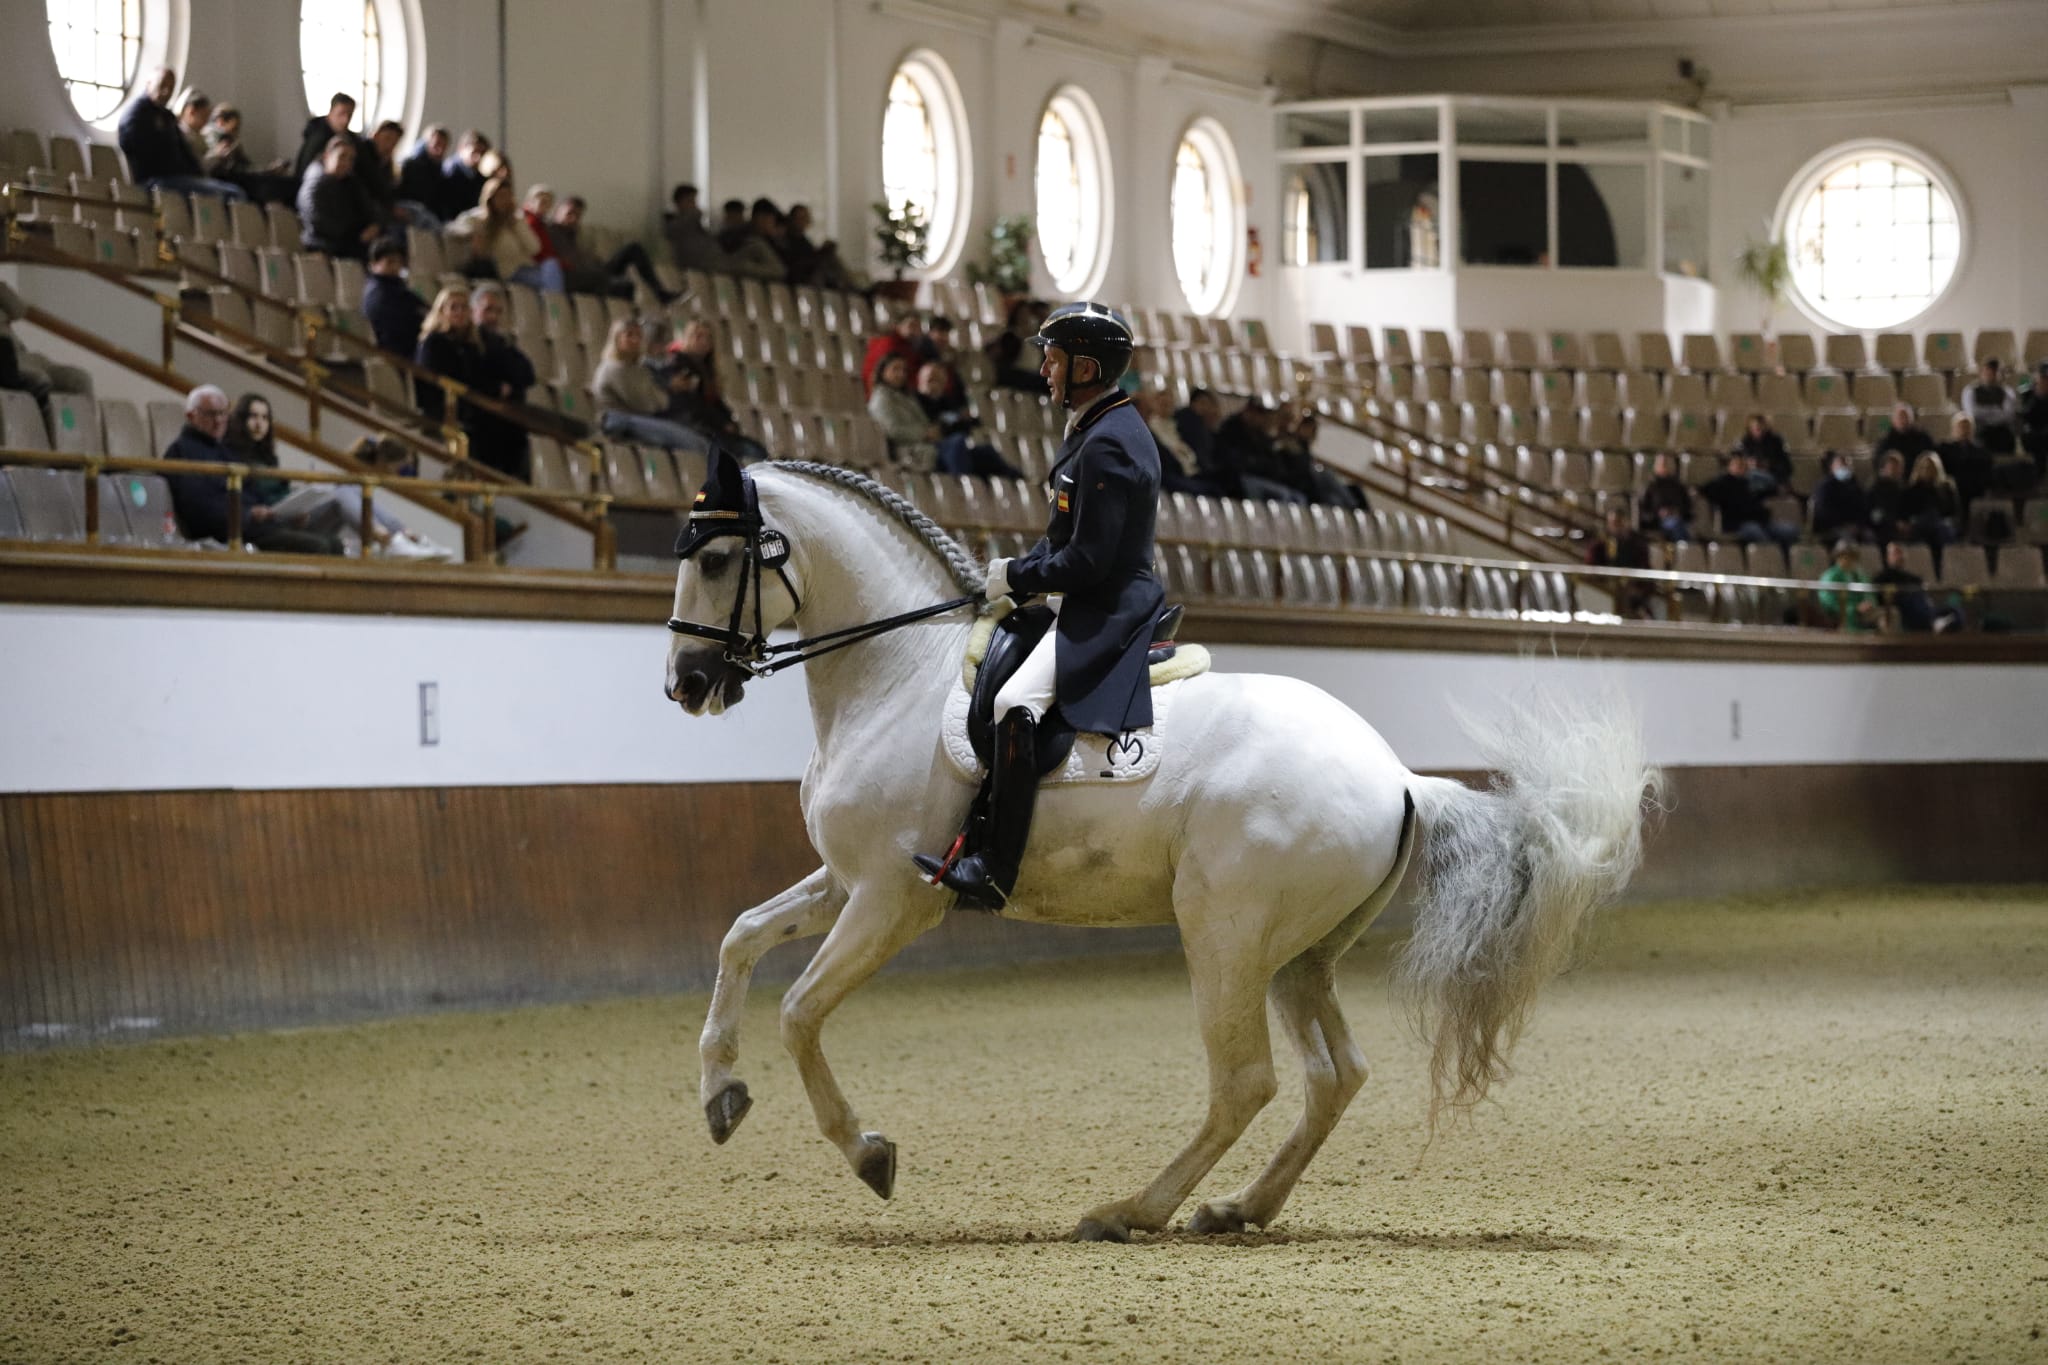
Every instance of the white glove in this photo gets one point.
(998, 584)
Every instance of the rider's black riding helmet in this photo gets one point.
(1090, 329)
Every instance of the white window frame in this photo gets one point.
(1227, 211)
(953, 182)
(166, 26)
(1094, 181)
(401, 68)
(1819, 168)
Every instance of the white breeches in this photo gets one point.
(1035, 683)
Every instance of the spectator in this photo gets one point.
(1994, 412)
(501, 245)
(757, 252)
(697, 398)
(1766, 451)
(945, 405)
(505, 374)
(1178, 463)
(1291, 465)
(1838, 508)
(226, 159)
(809, 263)
(335, 214)
(2034, 419)
(377, 168)
(323, 509)
(535, 208)
(1931, 510)
(1909, 594)
(462, 176)
(1621, 546)
(690, 243)
(1907, 437)
(1012, 350)
(1853, 612)
(1741, 507)
(448, 347)
(395, 312)
(201, 500)
(913, 438)
(584, 273)
(1968, 463)
(194, 109)
(1666, 504)
(1196, 423)
(940, 395)
(631, 402)
(733, 226)
(1887, 496)
(322, 129)
(1326, 486)
(158, 155)
(900, 340)
(936, 347)
(420, 179)
(1245, 450)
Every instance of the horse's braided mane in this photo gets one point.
(967, 571)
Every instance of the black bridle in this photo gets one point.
(769, 549)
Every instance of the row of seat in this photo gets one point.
(1726, 392)
(1617, 431)
(48, 505)
(23, 150)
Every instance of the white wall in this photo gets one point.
(148, 699)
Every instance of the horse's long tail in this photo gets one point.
(1509, 873)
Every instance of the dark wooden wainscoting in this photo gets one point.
(131, 913)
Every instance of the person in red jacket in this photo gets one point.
(901, 339)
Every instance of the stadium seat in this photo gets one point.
(1845, 352)
(1964, 566)
(10, 511)
(1796, 352)
(2019, 566)
(1700, 352)
(21, 422)
(51, 503)
(1747, 353)
(1994, 344)
(1943, 351)
(75, 425)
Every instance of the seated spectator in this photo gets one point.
(808, 263)
(335, 213)
(1177, 460)
(1917, 611)
(501, 245)
(1854, 612)
(1245, 449)
(22, 369)
(201, 500)
(226, 159)
(1887, 496)
(697, 398)
(1289, 466)
(462, 177)
(2034, 419)
(322, 509)
(945, 404)
(1666, 504)
(1324, 485)
(1907, 437)
(448, 347)
(377, 168)
(1838, 508)
(733, 225)
(690, 243)
(506, 374)
(194, 109)
(900, 340)
(394, 311)
(1930, 510)
(322, 129)
(757, 252)
(935, 347)
(535, 208)
(632, 405)
(1994, 412)
(156, 151)
(1766, 451)
(1742, 511)
(1968, 463)
(420, 180)
(1621, 546)
(1013, 351)
(913, 438)
(1196, 423)
(584, 273)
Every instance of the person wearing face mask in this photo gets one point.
(1838, 507)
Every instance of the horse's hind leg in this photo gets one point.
(1304, 997)
(805, 909)
(1229, 986)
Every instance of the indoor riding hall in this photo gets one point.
(1635, 412)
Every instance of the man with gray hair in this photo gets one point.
(201, 500)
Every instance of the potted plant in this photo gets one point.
(1765, 265)
(902, 235)
(1007, 268)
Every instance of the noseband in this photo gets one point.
(770, 549)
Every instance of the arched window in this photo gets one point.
(924, 154)
(1072, 185)
(1874, 235)
(1208, 230)
(365, 49)
(98, 45)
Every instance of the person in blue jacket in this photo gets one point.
(1094, 566)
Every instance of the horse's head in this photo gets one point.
(734, 586)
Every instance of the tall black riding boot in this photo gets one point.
(986, 870)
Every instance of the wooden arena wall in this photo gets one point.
(134, 912)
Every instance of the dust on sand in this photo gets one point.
(1803, 1130)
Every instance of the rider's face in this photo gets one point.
(1054, 371)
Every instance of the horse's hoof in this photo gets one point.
(877, 1168)
(1211, 1219)
(1093, 1229)
(724, 1110)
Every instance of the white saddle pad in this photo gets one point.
(1130, 757)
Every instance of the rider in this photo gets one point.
(1095, 566)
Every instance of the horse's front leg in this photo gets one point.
(805, 909)
(876, 925)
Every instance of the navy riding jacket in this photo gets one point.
(1097, 551)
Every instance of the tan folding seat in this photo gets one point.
(50, 503)
(209, 218)
(1964, 566)
(1692, 431)
(1806, 470)
(1572, 471)
(1477, 347)
(1687, 393)
(126, 436)
(1563, 351)
(316, 279)
(1895, 352)
(247, 225)
(1432, 384)
(1396, 383)
(231, 308)
(103, 163)
(1845, 352)
(1824, 392)
(1597, 389)
(1943, 351)
(21, 422)
(1700, 352)
(1875, 393)
(1322, 339)
(238, 264)
(1517, 426)
(1601, 429)
(1747, 353)
(1472, 385)
(1925, 392)
(2035, 350)
(1796, 352)
(1358, 344)
(1394, 347)
(1553, 388)
(1797, 430)
(387, 385)
(75, 425)
(1837, 431)
(1614, 472)
(1479, 424)
(174, 210)
(1726, 557)
(1731, 393)
(1641, 390)
(1604, 351)
(1557, 426)
(1764, 560)
(1436, 349)
(1994, 344)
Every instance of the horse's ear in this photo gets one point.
(724, 505)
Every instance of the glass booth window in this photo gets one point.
(1315, 213)
(1503, 212)
(1403, 219)
(1608, 130)
(1332, 129)
(1420, 123)
(1603, 214)
(1874, 237)
(1487, 125)
(98, 46)
(1685, 220)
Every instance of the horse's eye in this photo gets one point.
(714, 564)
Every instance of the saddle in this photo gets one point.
(1009, 643)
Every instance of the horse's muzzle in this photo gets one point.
(707, 685)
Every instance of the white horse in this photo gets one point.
(1276, 827)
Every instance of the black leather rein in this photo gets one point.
(754, 654)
